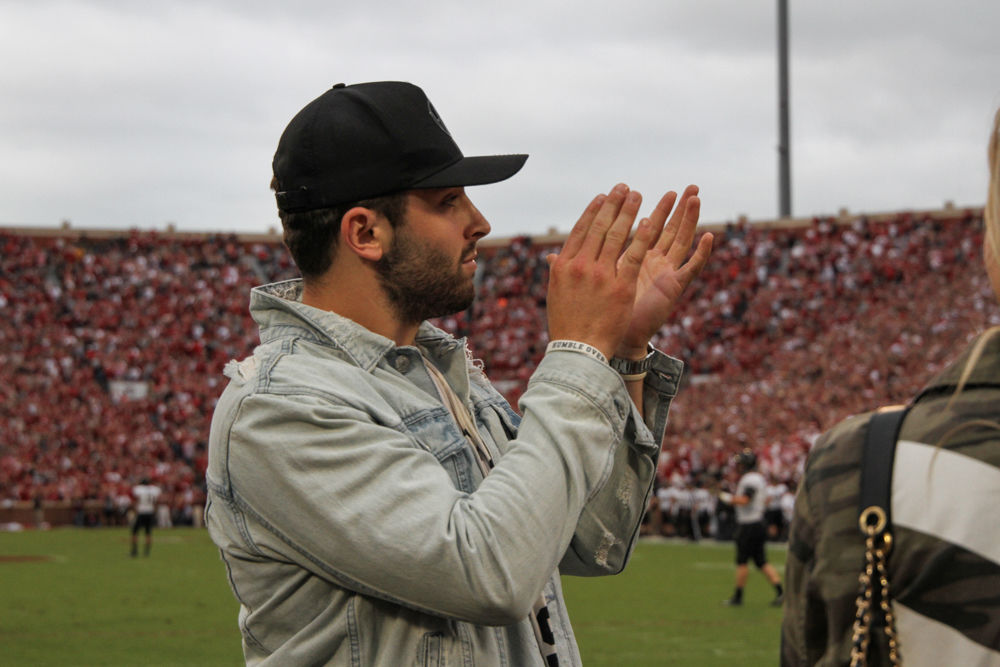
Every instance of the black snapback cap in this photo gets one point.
(372, 139)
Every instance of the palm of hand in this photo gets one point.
(658, 290)
(666, 270)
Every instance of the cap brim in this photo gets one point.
(478, 170)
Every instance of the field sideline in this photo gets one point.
(75, 597)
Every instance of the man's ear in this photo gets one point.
(365, 233)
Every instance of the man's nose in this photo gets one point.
(479, 226)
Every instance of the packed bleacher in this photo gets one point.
(112, 345)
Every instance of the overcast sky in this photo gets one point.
(138, 114)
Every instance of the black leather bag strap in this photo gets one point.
(876, 465)
(874, 620)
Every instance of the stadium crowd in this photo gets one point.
(112, 347)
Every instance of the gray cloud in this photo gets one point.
(137, 114)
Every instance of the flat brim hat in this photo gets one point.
(371, 139)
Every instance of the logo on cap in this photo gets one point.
(437, 119)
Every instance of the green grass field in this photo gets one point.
(74, 597)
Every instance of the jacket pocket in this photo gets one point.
(430, 653)
(436, 432)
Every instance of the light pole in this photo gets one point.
(784, 150)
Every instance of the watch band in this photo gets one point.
(630, 367)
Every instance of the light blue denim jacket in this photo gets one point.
(354, 522)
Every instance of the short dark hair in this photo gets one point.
(311, 236)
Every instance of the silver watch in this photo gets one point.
(633, 366)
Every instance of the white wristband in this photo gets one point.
(577, 346)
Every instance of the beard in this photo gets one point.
(421, 281)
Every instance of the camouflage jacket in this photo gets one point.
(944, 567)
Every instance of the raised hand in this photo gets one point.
(666, 269)
(592, 281)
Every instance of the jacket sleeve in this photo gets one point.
(609, 523)
(825, 551)
(412, 538)
(803, 617)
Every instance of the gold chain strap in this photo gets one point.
(877, 547)
(862, 620)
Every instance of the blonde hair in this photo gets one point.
(991, 233)
(977, 352)
(974, 355)
(991, 213)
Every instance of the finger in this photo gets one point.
(618, 233)
(685, 232)
(594, 241)
(631, 260)
(692, 268)
(582, 226)
(659, 215)
(668, 235)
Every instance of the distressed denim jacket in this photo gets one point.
(354, 523)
